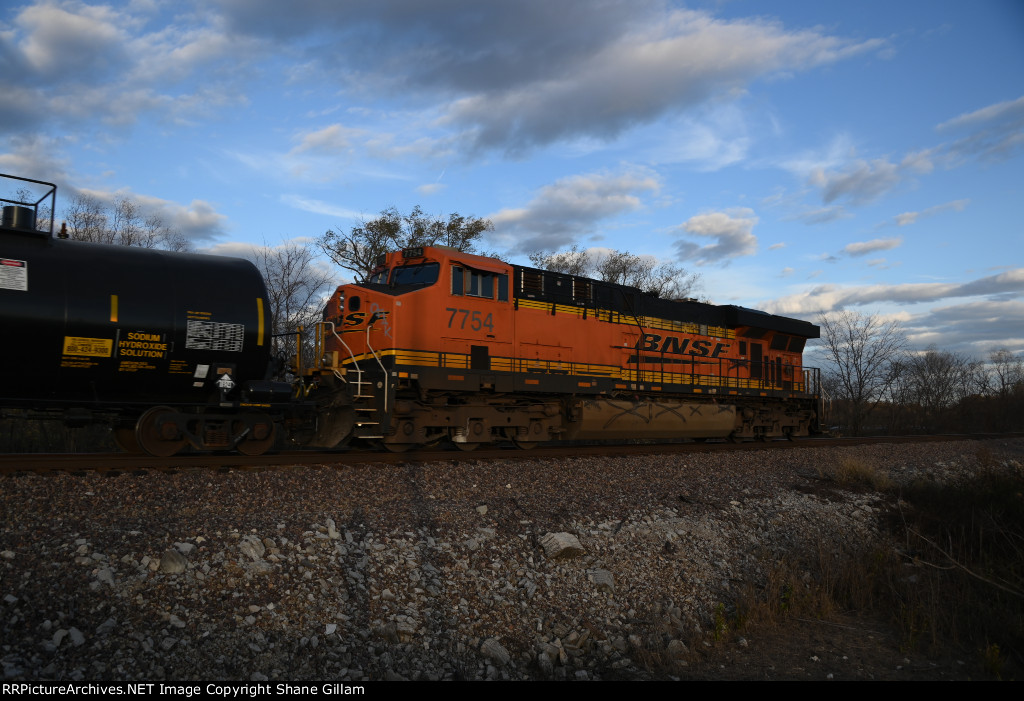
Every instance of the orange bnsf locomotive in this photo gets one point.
(438, 344)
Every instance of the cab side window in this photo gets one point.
(478, 283)
(458, 280)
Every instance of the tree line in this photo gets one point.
(873, 383)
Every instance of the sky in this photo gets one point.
(803, 157)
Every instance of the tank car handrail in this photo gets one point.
(51, 193)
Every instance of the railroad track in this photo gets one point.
(119, 463)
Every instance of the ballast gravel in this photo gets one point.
(578, 569)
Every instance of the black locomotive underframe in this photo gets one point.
(422, 405)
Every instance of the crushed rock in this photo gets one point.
(577, 569)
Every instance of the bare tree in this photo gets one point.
(296, 286)
(571, 262)
(666, 280)
(25, 197)
(862, 355)
(928, 385)
(1006, 372)
(358, 249)
(86, 219)
(122, 223)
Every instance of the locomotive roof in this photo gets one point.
(558, 287)
(575, 290)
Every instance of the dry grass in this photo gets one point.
(860, 474)
(951, 582)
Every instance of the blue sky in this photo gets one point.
(802, 156)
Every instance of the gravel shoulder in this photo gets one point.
(447, 570)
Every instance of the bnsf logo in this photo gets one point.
(357, 318)
(678, 346)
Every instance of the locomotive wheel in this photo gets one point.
(512, 434)
(260, 439)
(163, 440)
(124, 438)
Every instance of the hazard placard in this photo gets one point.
(13, 275)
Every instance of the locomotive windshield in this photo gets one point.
(421, 275)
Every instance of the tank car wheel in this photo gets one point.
(397, 447)
(124, 438)
(466, 447)
(524, 445)
(260, 439)
(159, 439)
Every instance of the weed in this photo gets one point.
(853, 472)
(964, 545)
(993, 660)
(950, 577)
(721, 623)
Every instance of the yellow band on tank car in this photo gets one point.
(259, 315)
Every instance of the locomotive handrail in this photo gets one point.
(376, 357)
(351, 355)
(726, 372)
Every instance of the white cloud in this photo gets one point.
(307, 204)
(993, 133)
(821, 215)
(570, 208)
(431, 188)
(333, 139)
(669, 65)
(907, 218)
(860, 182)
(976, 327)
(523, 73)
(94, 65)
(58, 42)
(732, 231)
(834, 297)
(1010, 109)
(863, 248)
